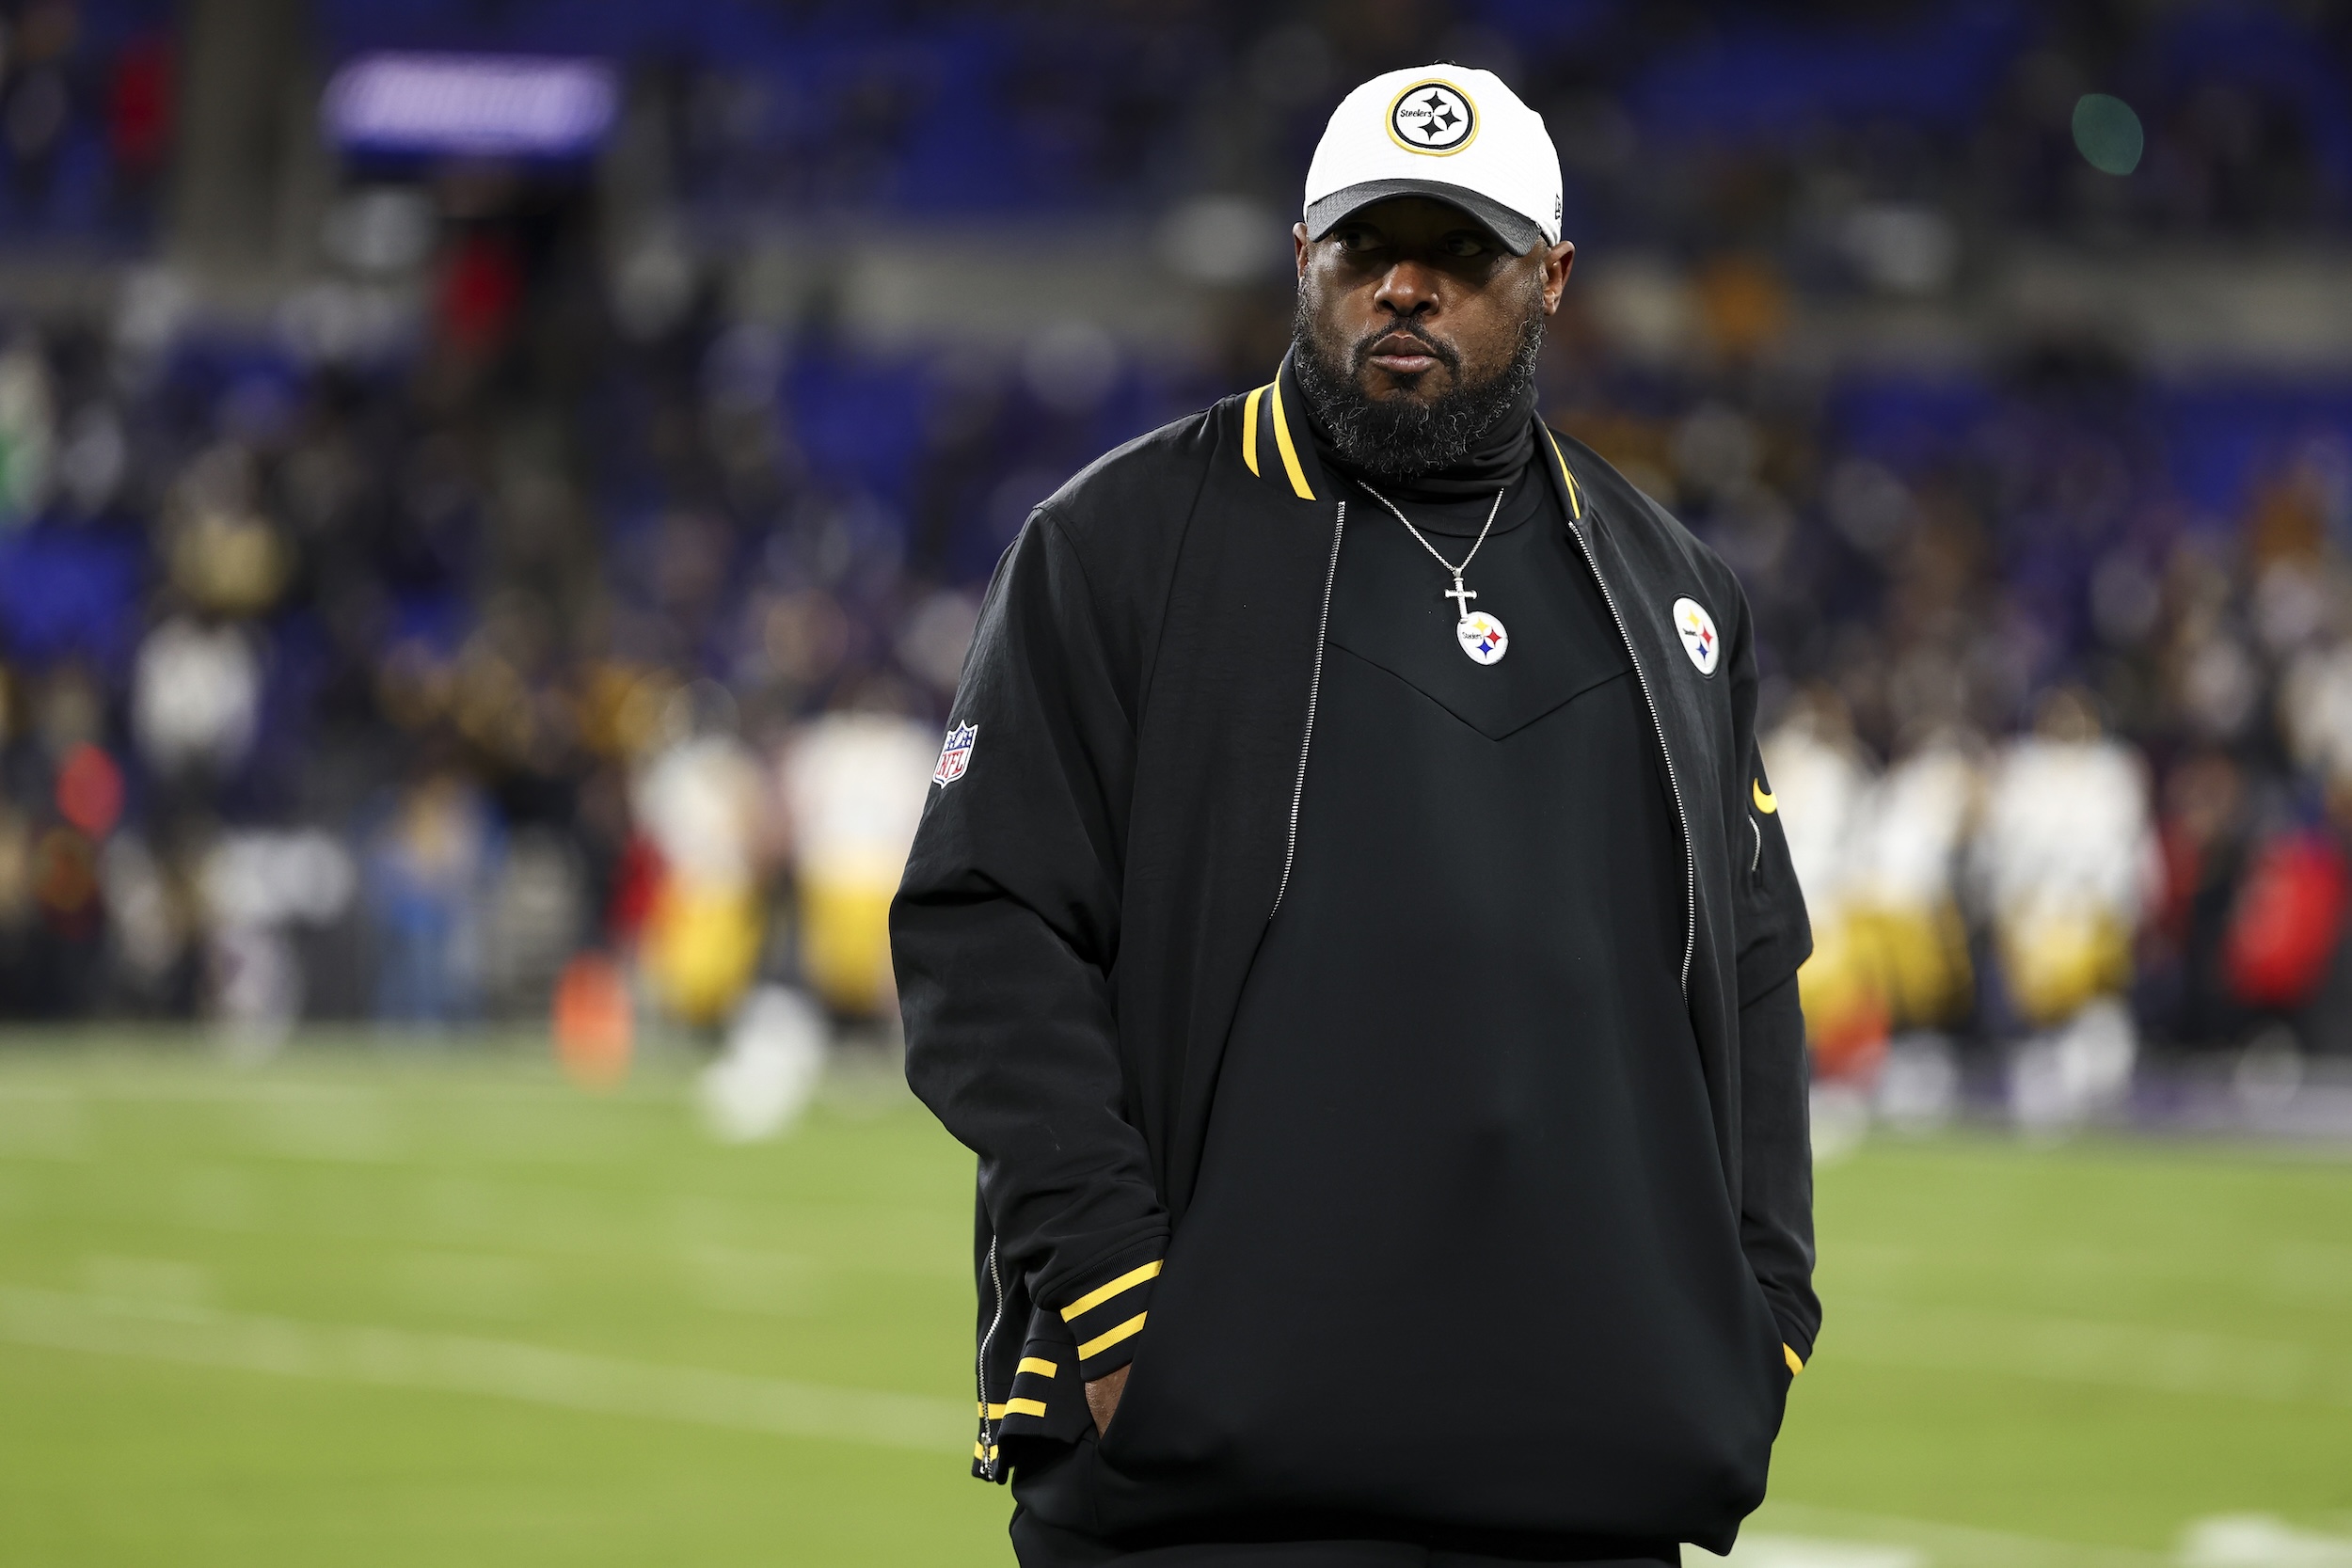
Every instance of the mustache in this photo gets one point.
(1443, 354)
(1399, 437)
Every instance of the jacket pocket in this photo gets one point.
(1133, 1398)
(1046, 1401)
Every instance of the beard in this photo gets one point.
(1402, 437)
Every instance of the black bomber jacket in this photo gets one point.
(1111, 828)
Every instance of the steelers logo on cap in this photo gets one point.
(1432, 117)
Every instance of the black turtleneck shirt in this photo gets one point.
(1461, 1178)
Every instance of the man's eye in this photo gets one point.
(1464, 245)
(1358, 239)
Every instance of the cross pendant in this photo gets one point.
(1460, 595)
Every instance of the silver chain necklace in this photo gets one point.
(1481, 634)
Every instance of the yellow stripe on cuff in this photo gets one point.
(1013, 1407)
(1127, 1281)
(1035, 1364)
(1125, 1331)
(1250, 428)
(1796, 1362)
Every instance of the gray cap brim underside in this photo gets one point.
(1516, 229)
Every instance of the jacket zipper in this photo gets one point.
(1689, 855)
(1315, 689)
(988, 1441)
(1298, 792)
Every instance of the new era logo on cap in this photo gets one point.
(1446, 131)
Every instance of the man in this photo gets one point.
(1352, 929)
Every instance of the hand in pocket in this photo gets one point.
(1102, 1397)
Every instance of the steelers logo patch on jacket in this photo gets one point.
(1697, 630)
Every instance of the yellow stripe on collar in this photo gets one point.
(1290, 453)
(1576, 501)
(1250, 428)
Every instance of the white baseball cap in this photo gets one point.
(1445, 131)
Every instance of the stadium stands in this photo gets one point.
(530, 471)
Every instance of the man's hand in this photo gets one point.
(1102, 1397)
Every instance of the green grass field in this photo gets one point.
(427, 1307)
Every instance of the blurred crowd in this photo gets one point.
(2056, 721)
(86, 119)
(386, 693)
(526, 613)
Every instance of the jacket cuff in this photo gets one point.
(1105, 1316)
(1770, 960)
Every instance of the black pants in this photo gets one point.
(1039, 1544)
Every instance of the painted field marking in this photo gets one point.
(1932, 1543)
(2088, 1350)
(533, 1374)
(2260, 1541)
(190, 1335)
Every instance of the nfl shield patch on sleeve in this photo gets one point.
(956, 756)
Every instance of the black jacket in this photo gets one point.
(1086, 894)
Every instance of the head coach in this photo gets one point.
(1352, 926)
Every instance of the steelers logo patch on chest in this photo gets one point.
(1697, 630)
(1432, 117)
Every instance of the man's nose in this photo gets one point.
(1407, 289)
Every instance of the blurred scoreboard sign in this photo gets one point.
(479, 105)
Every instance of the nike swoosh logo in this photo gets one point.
(1765, 803)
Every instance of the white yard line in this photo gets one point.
(2087, 1351)
(535, 1375)
(568, 1380)
(1945, 1546)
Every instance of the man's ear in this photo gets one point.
(1299, 246)
(1557, 260)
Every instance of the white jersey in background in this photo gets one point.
(854, 784)
(2066, 858)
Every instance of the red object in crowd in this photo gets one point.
(2289, 913)
(595, 1024)
(139, 104)
(480, 288)
(636, 883)
(89, 790)
(1853, 1046)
